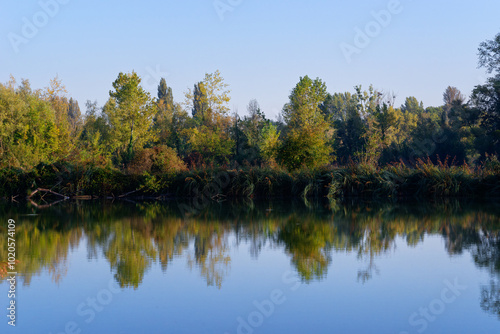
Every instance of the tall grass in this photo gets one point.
(394, 181)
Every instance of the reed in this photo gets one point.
(396, 181)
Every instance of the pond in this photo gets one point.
(253, 267)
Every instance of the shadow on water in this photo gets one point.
(131, 237)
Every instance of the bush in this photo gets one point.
(157, 160)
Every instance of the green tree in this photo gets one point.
(489, 55)
(200, 103)
(351, 115)
(269, 143)
(367, 101)
(165, 94)
(164, 116)
(486, 98)
(381, 131)
(412, 105)
(130, 111)
(451, 96)
(180, 127)
(212, 144)
(209, 101)
(67, 125)
(94, 138)
(249, 132)
(29, 133)
(307, 133)
(74, 117)
(212, 138)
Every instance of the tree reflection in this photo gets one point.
(486, 254)
(130, 252)
(309, 243)
(132, 237)
(41, 244)
(211, 257)
(482, 240)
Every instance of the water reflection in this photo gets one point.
(483, 243)
(133, 236)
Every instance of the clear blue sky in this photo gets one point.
(261, 47)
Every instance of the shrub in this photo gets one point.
(157, 160)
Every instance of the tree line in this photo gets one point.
(138, 133)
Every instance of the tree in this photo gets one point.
(489, 55)
(269, 143)
(200, 103)
(165, 93)
(74, 117)
(94, 138)
(307, 132)
(305, 99)
(451, 96)
(28, 133)
(412, 105)
(179, 134)
(486, 98)
(213, 145)
(130, 111)
(164, 115)
(217, 93)
(55, 94)
(209, 100)
(352, 117)
(367, 101)
(253, 122)
(339, 106)
(209, 105)
(249, 132)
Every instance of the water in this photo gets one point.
(255, 268)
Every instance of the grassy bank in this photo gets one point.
(424, 180)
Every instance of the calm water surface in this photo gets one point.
(255, 268)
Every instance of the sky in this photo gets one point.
(261, 47)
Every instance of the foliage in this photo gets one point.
(156, 160)
(209, 100)
(29, 132)
(134, 133)
(130, 111)
(213, 145)
(269, 143)
(307, 135)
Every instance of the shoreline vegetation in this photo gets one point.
(335, 145)
(426, 179)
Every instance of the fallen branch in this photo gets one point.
(127, 194)
(47, 191)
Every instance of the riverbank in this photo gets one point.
(425, 180)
